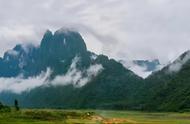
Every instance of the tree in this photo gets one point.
(16, 105)
(1, 105)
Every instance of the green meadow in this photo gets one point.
(47, 116)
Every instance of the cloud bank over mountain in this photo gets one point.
(179, 62)
(145, 29)
(73, 76)
(143, 68)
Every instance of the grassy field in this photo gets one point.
(91, 117)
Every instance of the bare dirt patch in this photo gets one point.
(111, 120)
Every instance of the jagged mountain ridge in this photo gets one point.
(115, 87)
(112, 88)
(30, 60)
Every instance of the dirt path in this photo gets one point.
(112, 120)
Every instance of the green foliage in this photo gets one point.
(114, 88)
(168, 91)
(16, 105)
(4, 108)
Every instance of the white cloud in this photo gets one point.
(73, 76)
(18, 84)
(177, 65)
(77, 77)
(12, 52)
(140, 70)
(143, 29)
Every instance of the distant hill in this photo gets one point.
(169, 87)
(142, 68)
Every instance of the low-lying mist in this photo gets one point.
(177, 65)
(73, 76)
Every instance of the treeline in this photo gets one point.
(5, 108)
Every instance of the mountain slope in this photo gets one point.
(62, 73)
(170, 86)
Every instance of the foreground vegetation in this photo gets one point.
(32, 116)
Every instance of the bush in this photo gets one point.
(4, 108)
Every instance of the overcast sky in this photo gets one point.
(121, 29)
